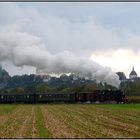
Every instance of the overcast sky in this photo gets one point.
(107, 33)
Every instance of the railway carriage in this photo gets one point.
(17, 98)
(96, 96)
(55, 97)
(6, 98)
(24, 98)
(86, 97)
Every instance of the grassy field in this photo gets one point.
(70, 121)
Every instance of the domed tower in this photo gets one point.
(133, 74)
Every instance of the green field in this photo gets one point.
(70, 121)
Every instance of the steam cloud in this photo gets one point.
(22, 48)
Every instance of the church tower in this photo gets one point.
(132, 74)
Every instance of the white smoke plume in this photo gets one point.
(22, 48)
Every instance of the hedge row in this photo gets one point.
(133, 99)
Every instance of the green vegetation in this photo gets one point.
(133, 99)
(131, 88)
(4, 109)
(46, 83)
(126, 107)
(43, 132)
(70, 121)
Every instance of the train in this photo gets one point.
(97, 96)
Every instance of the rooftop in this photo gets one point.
(133, 72)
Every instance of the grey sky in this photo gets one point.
(81, 28)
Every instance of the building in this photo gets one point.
(133, 74)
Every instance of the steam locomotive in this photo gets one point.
(91, 97)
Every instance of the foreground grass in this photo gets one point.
(70, 121)
(4, 109)
(43, 132)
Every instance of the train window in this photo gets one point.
(27, 96)
(1, 97)
(40, 96)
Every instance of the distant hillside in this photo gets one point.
(23, 81)
(4, 77)
(47, 83)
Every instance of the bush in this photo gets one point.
(133, 99)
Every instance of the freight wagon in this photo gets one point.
(96, 96)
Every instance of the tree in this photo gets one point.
(121, 75)
(41, 88)
(19, 90)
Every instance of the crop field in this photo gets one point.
(70, 121)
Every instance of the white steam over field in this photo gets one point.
(22, 48)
